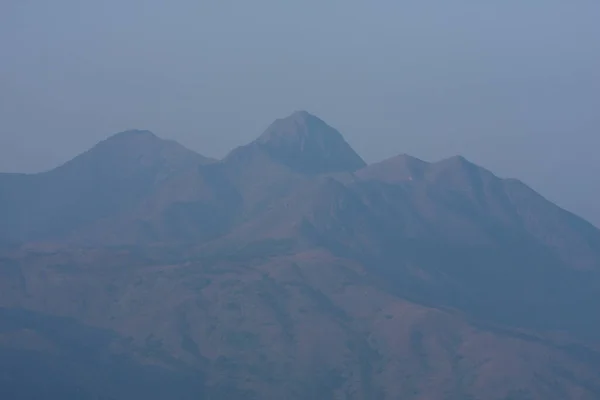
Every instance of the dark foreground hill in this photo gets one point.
(291, 270)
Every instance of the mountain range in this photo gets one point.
(291, 269)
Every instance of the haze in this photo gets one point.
(513, 86)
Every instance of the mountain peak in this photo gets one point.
(130, 140)
(133, 150)
(400, 168)
(302, 114)
(134, 133)
(458, 166)
(307, 144)
(133, 143)
(299, 124)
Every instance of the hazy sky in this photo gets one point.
(512, 85)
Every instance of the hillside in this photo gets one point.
(290, 269)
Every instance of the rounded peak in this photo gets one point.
(405, 159)
(457, 159)
(400, 168)
(136, 132)
(131, 149)
(458, 170)
(457, 163)
(130, 139)
(133, 133)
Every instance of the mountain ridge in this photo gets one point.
(264, 276)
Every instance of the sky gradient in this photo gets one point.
(513, 86)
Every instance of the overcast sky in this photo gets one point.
(512, 85)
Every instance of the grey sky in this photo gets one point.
(512, 85)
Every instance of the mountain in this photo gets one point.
(290, 269)
(307, 144)
(108, 182)
(137, 188)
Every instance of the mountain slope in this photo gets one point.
(57, 358)
(289, 269)
(498, 209)
(307, 325)
(109, 180)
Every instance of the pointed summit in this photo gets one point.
(307, 144)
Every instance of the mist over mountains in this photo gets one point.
(292, 269)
